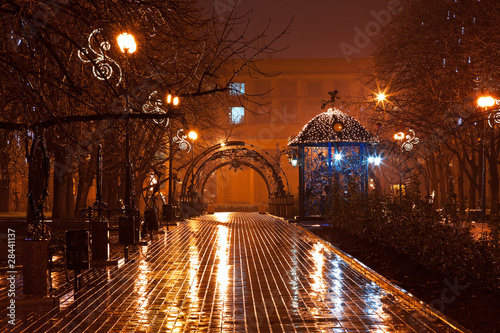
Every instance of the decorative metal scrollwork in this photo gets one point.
(154, 105)
(494, 118)
(103, 66)
(411, 140)
(180, 139)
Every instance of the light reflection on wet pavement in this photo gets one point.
(233, 272)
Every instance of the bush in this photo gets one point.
(412, 226)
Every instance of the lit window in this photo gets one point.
(236, 88)
(237, 114)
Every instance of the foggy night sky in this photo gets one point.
(318, 26)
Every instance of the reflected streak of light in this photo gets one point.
(222, 217)
(319, 261)
(223, 268)
(194, 264)
(141, 283)
(294, 281)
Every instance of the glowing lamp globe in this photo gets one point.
(485, 101)
(126, 42)
(381, 97)
(399, 136)
(192, 135)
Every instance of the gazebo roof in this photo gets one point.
(333, 126)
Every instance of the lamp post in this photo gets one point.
(399, 137)
(127, 45)
(484, 102)
(129, 234)
(193, 136)
(171, 100)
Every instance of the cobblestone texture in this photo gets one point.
(228, 272)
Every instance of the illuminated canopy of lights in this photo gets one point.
(333, 126)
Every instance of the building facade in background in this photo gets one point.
(288, 98)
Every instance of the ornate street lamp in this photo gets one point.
(193, 136)
(174, 101)
(127, 45)
(484, 102)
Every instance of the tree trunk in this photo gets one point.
(460, 188)
(86, 173)
(431, 165)
(58, 192)
(70, 196)
(63, 199)
(4, 175)
(494, 178)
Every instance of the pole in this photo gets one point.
(192, 170)
(128, 199)
(483, 176)
(400, 181)
(170, 169)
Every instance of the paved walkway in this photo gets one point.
(230, 272)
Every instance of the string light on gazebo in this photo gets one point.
(333, 126)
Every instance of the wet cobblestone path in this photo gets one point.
(232, 272)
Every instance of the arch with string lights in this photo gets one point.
(236, 154)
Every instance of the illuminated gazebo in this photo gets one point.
(333, 151)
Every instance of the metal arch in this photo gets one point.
(197, 158)
(275, 164)
(221, 165)
(233, 155)
(230, 150)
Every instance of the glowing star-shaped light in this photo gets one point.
(103, 66)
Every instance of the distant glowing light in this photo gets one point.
(126, 42)
(381, 97)
(222, 217)
(193, 135)
(485, 101)
(338, 157)
(399, 136)
(375, 160)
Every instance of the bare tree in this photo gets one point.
(63, 71)
(429, 62)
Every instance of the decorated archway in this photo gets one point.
(234, 154)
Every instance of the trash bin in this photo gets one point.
(168, 212)
(99, 240)
(128, 230)
(151, 218)
(77, 250)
